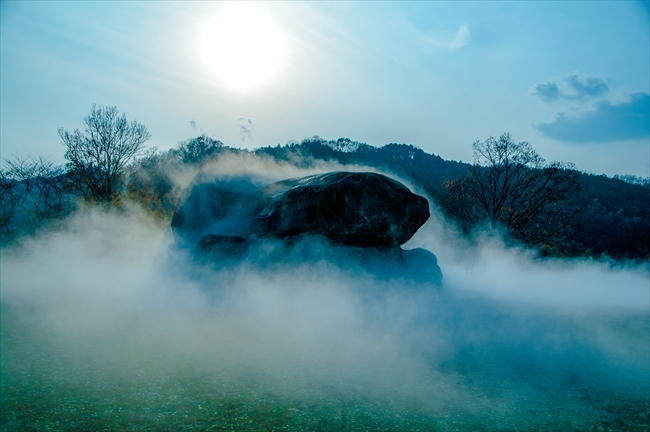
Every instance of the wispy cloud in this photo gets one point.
(606, 122)
(462, 38)
(572, 87)
(586, 87)
(548, 92)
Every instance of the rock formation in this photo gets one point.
(355, 219)
(352, 208)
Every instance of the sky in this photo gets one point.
(571, 78)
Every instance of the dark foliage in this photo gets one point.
(197, 150)
(610, 217)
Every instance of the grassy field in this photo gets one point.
(47, 387)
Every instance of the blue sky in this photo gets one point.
(571, 78)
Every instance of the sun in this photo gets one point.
(242, 46)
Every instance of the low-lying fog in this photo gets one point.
(106, 303)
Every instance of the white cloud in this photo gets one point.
(461, 39)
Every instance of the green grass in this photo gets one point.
(45, 386)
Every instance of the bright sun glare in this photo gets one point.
(242, 46)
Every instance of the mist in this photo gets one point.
(109, 306)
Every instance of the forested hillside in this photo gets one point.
(598, 216)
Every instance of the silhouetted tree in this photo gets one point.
(98, 155)
(511, 185)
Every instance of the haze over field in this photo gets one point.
(107, 303)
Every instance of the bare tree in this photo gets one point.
(511, 185)
(50, 184)
(34, 189)
(9, 200)
(98, 155)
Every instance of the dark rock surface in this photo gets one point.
(352, 208)
(421, 265)
(387, 263)
(224, 247)
(355, 221)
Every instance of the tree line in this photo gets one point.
(508, 187)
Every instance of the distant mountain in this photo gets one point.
(428, 170)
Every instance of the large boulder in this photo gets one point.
(354, 221)
(387, 263)
(351, 208)
(224, 247)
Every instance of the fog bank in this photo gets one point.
(109, 298)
